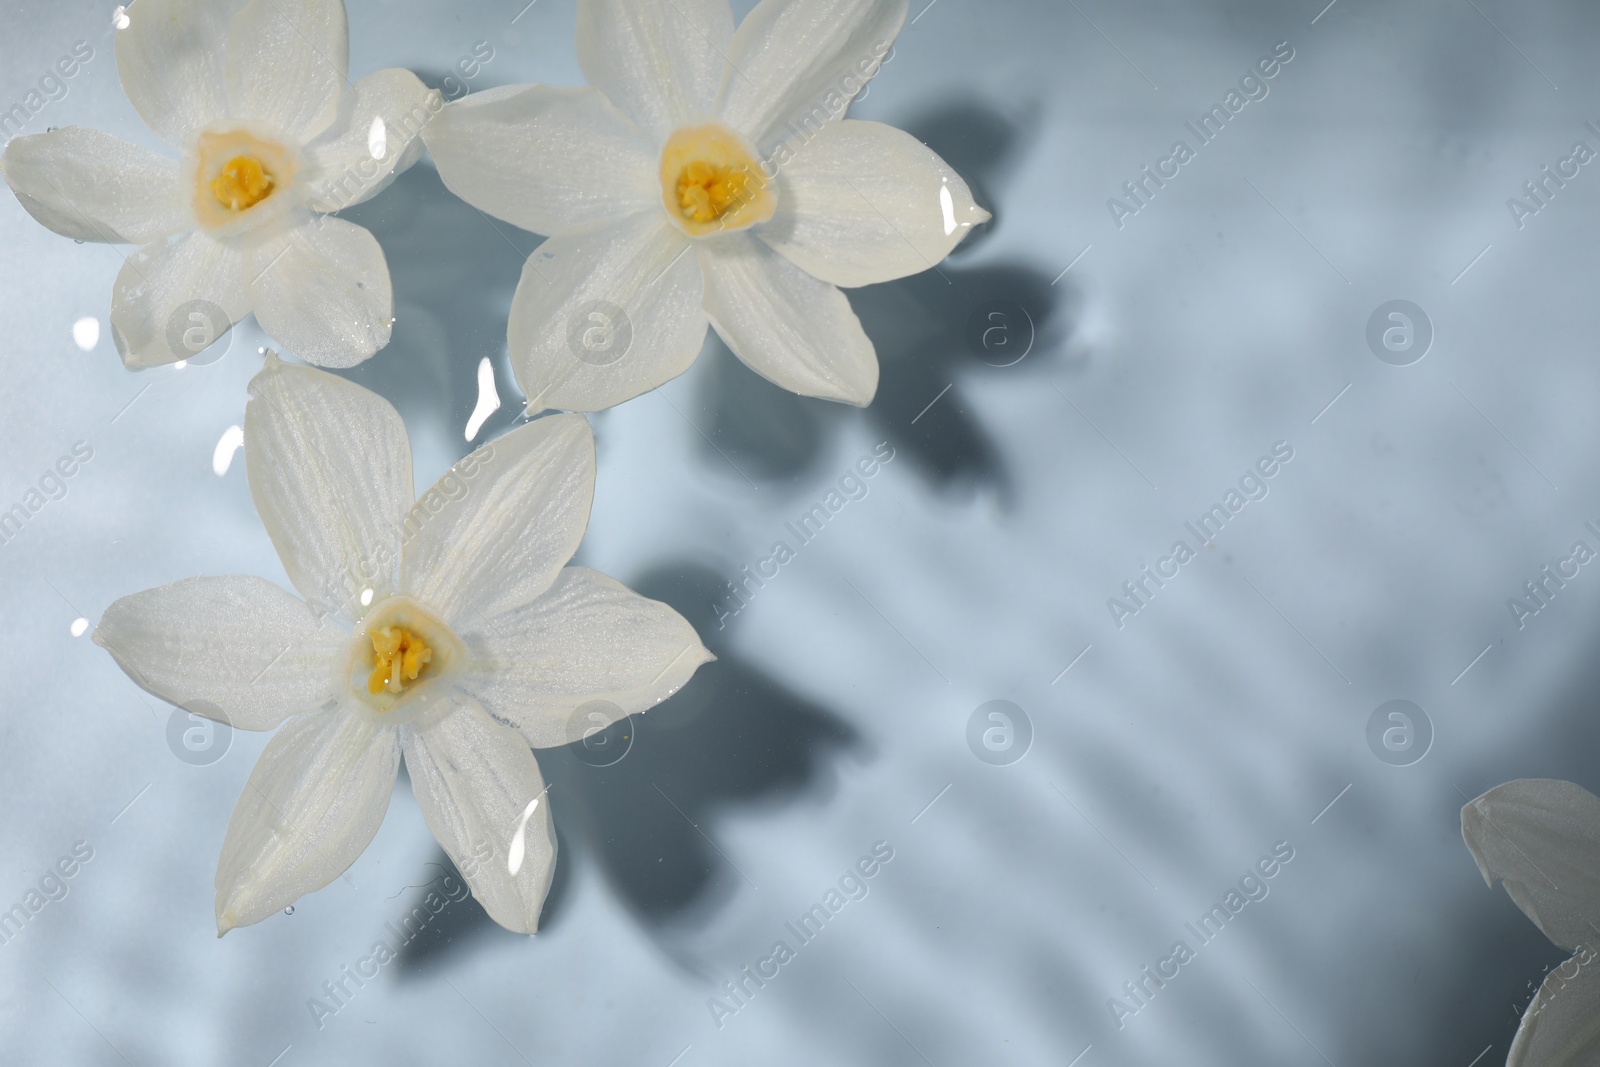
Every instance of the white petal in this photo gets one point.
(313, 802)
(543, 158)
(863, 203)
(481, 794)
(171, 57)
(92, 186)
(238, 649)
(374, 140)
(495, 530)
(1562, 1024)
(1542, 839)
(786, 325)
(330, 471)
(605, 313)
(802, 62)
(321, 290)
(589, 639)
(660, 61)
(167, 290)
(286, 64)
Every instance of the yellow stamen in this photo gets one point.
(708, 191)
(711, 181)
(398, 656)
(243, 183)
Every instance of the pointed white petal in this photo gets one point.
(330, 471)
(238, 649)
(313, 802)
(481, 794)
(605, 313)
(543, 158)
(786, 325)
(164, 286)
(286, 64)
(660, 61)
(92, 186)
(171, 57)
(802, 62)
(320, 288)
(1542, 839)
(492, 534)
(374, 140)
(863, 203)
(1561, 1027)
(589, 639)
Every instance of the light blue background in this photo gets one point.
(1222, 318)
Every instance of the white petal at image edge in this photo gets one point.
(91, 186)
(1541, 838)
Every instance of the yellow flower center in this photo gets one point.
(398, 657)
(243, 183)
(711, 181)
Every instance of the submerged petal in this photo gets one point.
(375, 139)
(92, 186)
(543, 158)
(313, 802)
(321, 290)
(491, 536)
(863, 203)
(286, 64)
(786, 325)
(164, 286)
(590, 642)
(802, 62)
(605, 313)
(329, 465)
(171, 57)
(660, 61)
(481, 794)
(238, 649)
(1542, 839)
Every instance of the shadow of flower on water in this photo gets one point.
(731, 739)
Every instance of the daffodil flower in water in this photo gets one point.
(446, 631)
(272, 135)
(707, 176)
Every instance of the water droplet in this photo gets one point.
(77, 240)
(86, 332)
(80, 627)
(222, 455)
(289, 910)
(119, 17)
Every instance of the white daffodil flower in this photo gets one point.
(1541, 838)
(706, 175)
(272, 134)
(445, 629)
